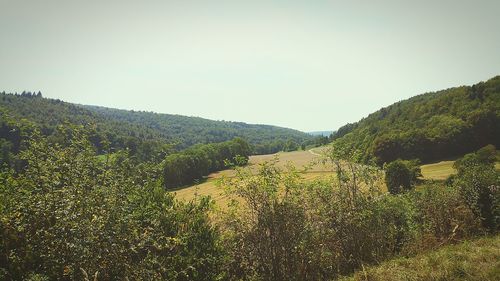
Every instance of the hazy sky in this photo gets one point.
(308, 65)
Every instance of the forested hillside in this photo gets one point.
(429, 127)
(142, 132)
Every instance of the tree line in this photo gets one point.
(193, 164)
(144, 134)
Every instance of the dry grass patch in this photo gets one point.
(301, 160)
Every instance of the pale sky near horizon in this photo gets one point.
(307, 65)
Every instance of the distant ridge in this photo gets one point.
(321, 133)
(139, 129)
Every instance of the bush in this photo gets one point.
(284, 228)
(479, 184)
(487, 154)
(69, 211)
(401, 175)
(443, 216)
(480, 188)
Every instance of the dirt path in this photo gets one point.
(314, 153)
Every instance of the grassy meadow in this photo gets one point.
(307, 161)
(442, 170)
(438, 171)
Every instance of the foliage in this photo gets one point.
(144, 133)
(68, 213)
(192, 164)
(475, 260)
(479, 183)
(77, 203)
(284, 228)
(316, 141)
(401, 175)
(443, 217)
(429, 127)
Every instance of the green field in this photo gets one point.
(438, 171)
(441, 170)
(471, 260)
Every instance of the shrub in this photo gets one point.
(69, 211)
(479, 184)
(480, 188)
(289, 229)
(398, 176)
(443, 216)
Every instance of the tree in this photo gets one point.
(398, 176)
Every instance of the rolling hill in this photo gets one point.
(432, 126)
(138, 129)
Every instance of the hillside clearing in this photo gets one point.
(438, 171)
(307, 161)
(441, 170)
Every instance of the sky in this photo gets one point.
(307, 65)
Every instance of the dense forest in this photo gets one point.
(428, 127)
(143, 133)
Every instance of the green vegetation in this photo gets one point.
(81, 202)
(478, 181)
(476, 260)
(194, 163)
(429, 127)
(67, 213)
(146, 135)
(401, 175)
(283, 228)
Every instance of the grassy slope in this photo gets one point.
(441, 170)
(438, 171)
(470, 260)
(298, 159)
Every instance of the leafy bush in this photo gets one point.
(479, 184)
(68, 212)
(284, 228)
(401, 175)
(444, 216)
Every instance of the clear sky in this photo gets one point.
(307, 65)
